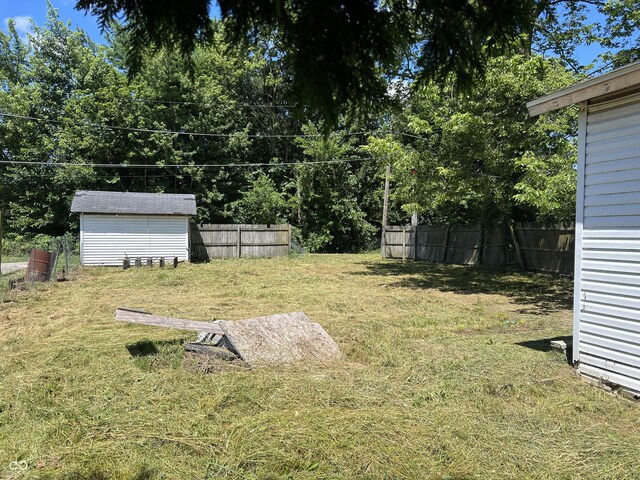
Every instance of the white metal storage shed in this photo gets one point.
(606, 330)
(116, 225)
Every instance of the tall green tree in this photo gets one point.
(82, 109)
(563, 26)
(336, 49)
(478, 156)
(261, 203)
(338, 52)
(327, 197)
(475, 157)
(54, 64)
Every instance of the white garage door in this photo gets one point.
(608, 301)
(108, 239)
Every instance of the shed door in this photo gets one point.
(108, 239)
(608, 289)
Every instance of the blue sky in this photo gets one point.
(22, 11)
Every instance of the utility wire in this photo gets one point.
(135, 98)
(187, 165)
(172, 132)
(196, 134)
(412, 136)
(210, 104)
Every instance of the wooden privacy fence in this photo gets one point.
(209, 241)
(447, 244)
(545, 248)
(537, 247)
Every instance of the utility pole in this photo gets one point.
(0, 241)
(385, 207)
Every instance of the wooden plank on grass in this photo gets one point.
(140, 317)
(219, 352)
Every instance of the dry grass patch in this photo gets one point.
(445, 376)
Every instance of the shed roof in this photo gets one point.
(133, 203)
(614, 81)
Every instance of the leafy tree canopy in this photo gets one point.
(262, 203)
(480, 158)
(563, 25)
(67, 104)
(476, 157)
(336, 49)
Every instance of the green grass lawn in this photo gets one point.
(447, 374)
(5, 278)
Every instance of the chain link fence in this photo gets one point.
(16, 270)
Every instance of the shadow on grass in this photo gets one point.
(145, 348)
(544, 345)
(142, 348)
(537, 293)
(151, 356)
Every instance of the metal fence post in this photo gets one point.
(65, 248)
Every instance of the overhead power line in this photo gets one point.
(211, 104)
(195, 134)
(170, 132)
(413, 136)
(188, 165)
(205, 103)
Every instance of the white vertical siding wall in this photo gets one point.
(607, 313)
(107, 239)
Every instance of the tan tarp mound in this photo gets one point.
(272, 340)
(280, 339)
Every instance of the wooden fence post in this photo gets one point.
(481, 246)
(415, 242)
(290, 239)
(404, 243)
(239, 241)
(383, 242)
(446, 244)
(516, 245)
